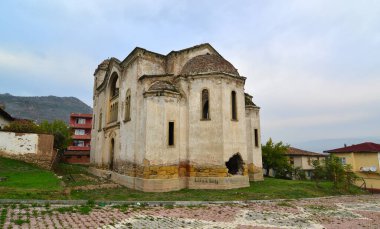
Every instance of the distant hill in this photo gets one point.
(39, 108)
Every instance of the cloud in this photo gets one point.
(313, 66)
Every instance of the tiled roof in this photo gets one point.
(208, 63)
(362, 147)
(248, 100)
(299, 152)
(6, 115)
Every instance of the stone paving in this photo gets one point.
(335, 212)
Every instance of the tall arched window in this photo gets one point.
(205, 104)
(114, 85)
(127, 114)
(113, 98)
(233, 105)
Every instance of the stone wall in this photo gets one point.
(32, 148)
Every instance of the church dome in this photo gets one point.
(162, 86)
(208, 63)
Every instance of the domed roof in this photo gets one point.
(208, 63)
(162, 86)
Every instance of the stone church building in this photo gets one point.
(181, 120)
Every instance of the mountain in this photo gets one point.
(39, 108)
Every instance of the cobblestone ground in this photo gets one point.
(336, 212)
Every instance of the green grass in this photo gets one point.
(28, 182)
(270, 188)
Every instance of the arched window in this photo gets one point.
(205, 104)
(127, 113)
(233, 105)
(114, 85)
(113, 98)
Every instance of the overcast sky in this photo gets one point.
(312, 66)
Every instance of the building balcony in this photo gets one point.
(81, 126)
(78, 148)
(81, 137)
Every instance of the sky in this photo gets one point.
(312, 66)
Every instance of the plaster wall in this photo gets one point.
(18, 143)
(206, 136)
(160, 111)
(31, 148)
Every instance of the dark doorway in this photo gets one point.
(235, 165)
(112, 150)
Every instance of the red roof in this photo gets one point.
(299, 152)
(362, 147)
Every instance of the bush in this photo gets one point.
(22, 126)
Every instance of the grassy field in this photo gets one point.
(28, 182)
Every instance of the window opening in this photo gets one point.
(171, 134)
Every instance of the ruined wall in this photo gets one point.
(31, 148)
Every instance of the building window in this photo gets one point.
(113, 103)
(205, 105)
(114, 85)
(79, 132)
(308, 173)
(291, 160)
(343, 160)
(100, 121)
(127, 114)
(171, 134)
(80, 121)
(78, 143)
(233, 105)
(256, 138)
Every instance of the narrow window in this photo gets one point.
(171, 134)
(127, 113)
(256, 138)
(233, 105)
(100, 121)
(93, 122)
(205, 105)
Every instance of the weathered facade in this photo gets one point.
(166, 122)
(32, 148)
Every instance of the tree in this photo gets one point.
(274, 158)
(319, 172)
(334, 170)
(350, 177)
(61, 132)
